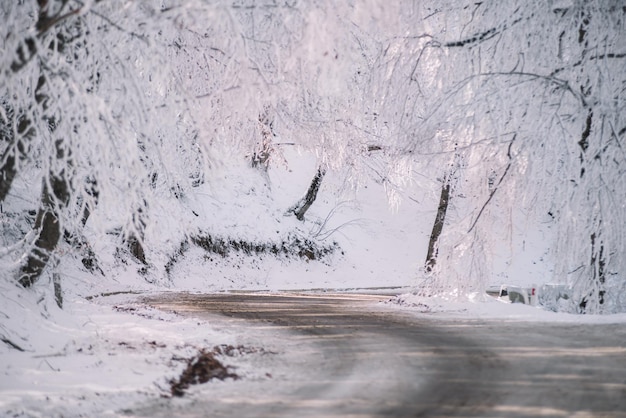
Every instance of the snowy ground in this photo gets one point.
(119, 354)
(110, 354)
(103, 353)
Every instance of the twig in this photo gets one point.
(120, 28)
(326, 234)
(43, 25)
(495, 189)
(11, 344)
(51, 367)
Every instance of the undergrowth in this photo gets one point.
(292, 246)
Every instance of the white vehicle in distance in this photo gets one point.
(514, 294)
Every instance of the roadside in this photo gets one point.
(124, 353)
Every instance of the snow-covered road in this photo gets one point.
(344, 355)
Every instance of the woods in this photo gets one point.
(116, 112)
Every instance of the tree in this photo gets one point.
(535, 94)
(116, 108)
(87, 101)
(55, 189)
(514, 104)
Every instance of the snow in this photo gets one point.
(108, 355)
(489, 308)
(104, 352)
(109, 361)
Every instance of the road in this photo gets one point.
(346, 356)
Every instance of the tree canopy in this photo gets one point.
(117, 106)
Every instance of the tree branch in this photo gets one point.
(495, 189)
(481, 37)
(46, 22)
(11, 344)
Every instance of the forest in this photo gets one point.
(115, 114)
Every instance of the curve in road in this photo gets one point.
(360, 359)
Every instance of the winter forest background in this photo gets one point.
(123, 122)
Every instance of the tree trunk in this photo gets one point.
(14, 148)
(597, 262)
(303, 205)
(444, 199)
(134, 242)
(49, 228)
(7, 175)
(136, 249)
(52, 201)
(56, 191)
(261, 156)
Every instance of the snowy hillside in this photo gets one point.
(374, 243)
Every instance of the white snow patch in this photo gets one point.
(486, 307)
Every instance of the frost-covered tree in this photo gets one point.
(92, 107)
(315, 60)
(116, 107)
(530, 95)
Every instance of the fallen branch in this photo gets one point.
(11, 344)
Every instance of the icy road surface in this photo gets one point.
(347, 356)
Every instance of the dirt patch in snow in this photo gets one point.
(201, 368)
